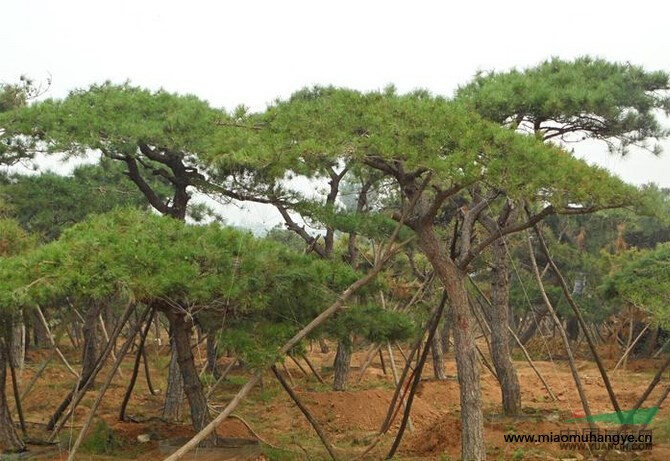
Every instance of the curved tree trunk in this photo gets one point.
(9, 438)
(500, 337)
(467, 359)
(341, 365)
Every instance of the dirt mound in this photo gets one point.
(444, 436)
(361, 410)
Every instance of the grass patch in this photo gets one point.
(102, 440)
(236, 380)
(276, 454)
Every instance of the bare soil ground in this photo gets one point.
(351, 419)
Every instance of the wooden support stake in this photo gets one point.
(631, 345)
(37, 375)
(394, 371)
(105, 386)
(368, 360)
(381, 359)
(314, 370)
(304, 372)
(564, 337)
(315, 424)
(224, 373)
(40, 314)
(288, 373)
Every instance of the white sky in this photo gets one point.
(250, 52)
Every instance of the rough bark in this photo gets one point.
(195, 394)
(467, 361)
(500, 338)
(9, 438)
(341, 365)
(17, 398)
(18, 343)
(175, 386)
(438, 356)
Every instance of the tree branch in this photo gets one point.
(469, 220)
(135, 176)
(471, 254)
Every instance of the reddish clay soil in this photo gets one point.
(351, 419)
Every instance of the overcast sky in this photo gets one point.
(251, 52)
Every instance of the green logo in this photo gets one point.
(640, 416)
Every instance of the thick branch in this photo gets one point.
(300, 230)
(135, 176)
(469, 220)
(532, 220)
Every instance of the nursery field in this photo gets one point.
(351, 419)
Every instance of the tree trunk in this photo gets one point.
(181, 331)
(467, 360)
(438, 356)
(651, 342)
(18, 343)
(572, 328)
(500, 338)
(90, 333)
(342, 364)
(446, 332)
(175, 386)
(9, 439)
